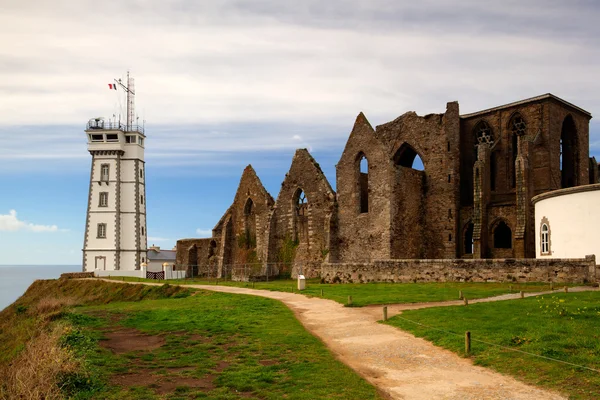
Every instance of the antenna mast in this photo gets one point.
(130, 90)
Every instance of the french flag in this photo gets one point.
(112, 86)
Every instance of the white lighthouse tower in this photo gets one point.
(115, 228)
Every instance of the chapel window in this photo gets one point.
(545, 239)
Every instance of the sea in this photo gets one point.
(15, 279)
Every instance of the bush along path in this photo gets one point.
(399, 364)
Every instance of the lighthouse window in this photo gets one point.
(113, 137)
(142, 231)
(101, 231)
(104, 171)
(141, 199)
(130, 139)
(96, 138)
(141, 173)
(141, 142)
(103, 199)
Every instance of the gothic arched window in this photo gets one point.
(484, 133)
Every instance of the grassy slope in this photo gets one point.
(561, 326)
(244, 346)
(381, 293)
(44, 301)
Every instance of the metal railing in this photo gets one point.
(101, 124)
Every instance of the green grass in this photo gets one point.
(380, 293)
(246, 346)
(561, 326)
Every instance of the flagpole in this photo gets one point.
(129, 89)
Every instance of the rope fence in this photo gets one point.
(496, 345)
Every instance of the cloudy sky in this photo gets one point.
(222, 84)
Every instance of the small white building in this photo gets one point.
(157, 257)
(567, 221)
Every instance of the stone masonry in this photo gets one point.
(440, 186)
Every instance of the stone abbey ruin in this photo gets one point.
(466, 215)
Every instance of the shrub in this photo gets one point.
(35, 373)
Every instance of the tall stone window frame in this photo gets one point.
(250, 223)
(301, 211)
(569, 153)
(545, 237)
(362, 165)
(518, 127)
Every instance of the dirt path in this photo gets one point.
(401, 365)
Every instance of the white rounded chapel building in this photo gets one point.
(567, 221)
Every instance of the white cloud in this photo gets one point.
(250, 75)
(10, 222)
(204, 233)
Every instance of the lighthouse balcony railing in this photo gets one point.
(100, 124)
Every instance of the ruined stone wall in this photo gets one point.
(538, 147)
(557, 114)
(198, 255)
(435, 139)
(409, 220)
(362, 235)
(301, 233)
(460, 270)
(250, 213)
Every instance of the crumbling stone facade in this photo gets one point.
(440, 186)
(244, 228)
(197, 256)
(300, 226)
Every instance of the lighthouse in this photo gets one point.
(115, 227)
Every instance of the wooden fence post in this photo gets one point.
(522, 294)
(460, 296)
(466, 301)
(385, 313)
(467, 342)
(349, 300)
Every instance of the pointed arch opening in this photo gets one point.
(300, 203)
(502, 236)
(249, 224)
(363, 182)
(569, 152)
(407, 156)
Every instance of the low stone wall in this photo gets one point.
(576, 270)
(76, 275)
(310, 269)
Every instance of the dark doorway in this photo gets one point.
(502, 236)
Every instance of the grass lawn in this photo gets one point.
(380, 293)
(560, 326)
(210, 345)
